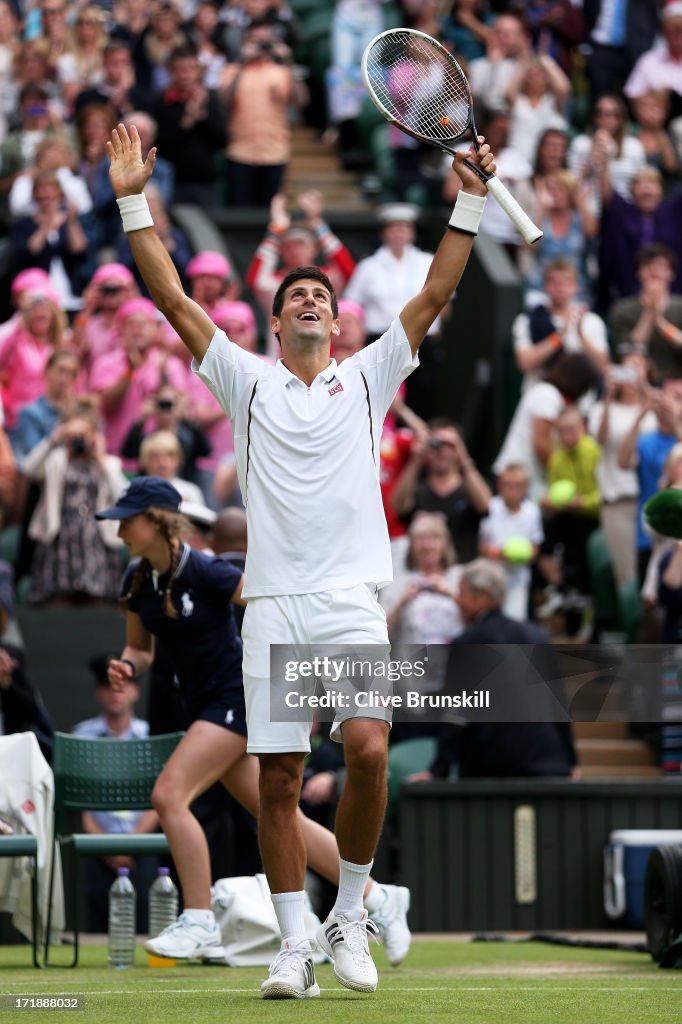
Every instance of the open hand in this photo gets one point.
(128, 173)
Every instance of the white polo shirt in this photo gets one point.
(308, 463)
(383, 285)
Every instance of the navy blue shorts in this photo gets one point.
(226, 709)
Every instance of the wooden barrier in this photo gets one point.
(519, 854)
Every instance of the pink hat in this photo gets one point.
(136, 307)
(209, 262)
(112, 272)
(33, 278)
(241, 311)
(352, 308)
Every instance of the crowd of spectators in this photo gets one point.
(582, 104)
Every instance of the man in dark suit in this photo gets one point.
(498, 749)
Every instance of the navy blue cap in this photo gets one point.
(142, 493)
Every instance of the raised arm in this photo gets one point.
(129, 174)
(453, 252)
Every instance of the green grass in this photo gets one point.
(469, 983)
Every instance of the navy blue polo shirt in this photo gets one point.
(202, 641)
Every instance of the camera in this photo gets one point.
(79, 446)
(624, 374)
(435, 443)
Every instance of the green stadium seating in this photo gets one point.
(601, 575)
(630, 609)
(104, 775)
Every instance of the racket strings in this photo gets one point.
(422, 88)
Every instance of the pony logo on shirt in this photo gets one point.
(187, 605)
(335, 390)
(229, 717)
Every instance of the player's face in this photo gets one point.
(306, 315)
(138, 534)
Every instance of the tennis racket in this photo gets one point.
(420, 88)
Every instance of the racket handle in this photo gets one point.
(524, 225)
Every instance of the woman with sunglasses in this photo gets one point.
(183, 598)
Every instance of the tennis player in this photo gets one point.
(184, 599)
(307, 436)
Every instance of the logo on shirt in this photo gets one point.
(187, 605)
(229, 717)
(28, 807)
(335, 390)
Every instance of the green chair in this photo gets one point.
(26, 845)
(104, 775)
(405, 759)
(10, 538)
(630, 606)
(601, 576)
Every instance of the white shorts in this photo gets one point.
(349, 616)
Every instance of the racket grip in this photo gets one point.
(524, 225)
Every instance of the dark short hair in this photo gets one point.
(573, 374)
(183, 51)
(33, 91)
(114, 45)
(443, 423)
(62, 353)
(656, 251)
(304, 274)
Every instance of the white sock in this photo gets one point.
(206, 918)
(374, 898)
(289, 908)
(352, 882)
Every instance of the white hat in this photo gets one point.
(673, 9)
(389, 213)
(198, 514)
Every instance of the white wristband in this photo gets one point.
(135, 212)
(467, 213)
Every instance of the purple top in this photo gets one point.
(625, 230)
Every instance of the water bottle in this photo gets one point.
(163, 903)
(122, 921)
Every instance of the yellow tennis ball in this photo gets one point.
(518, 550)
(561, 492)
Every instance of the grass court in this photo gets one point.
(471, 983)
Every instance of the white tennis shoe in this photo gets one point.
(391, 920)
(187, 940)
(345, 942)
(291, 974)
